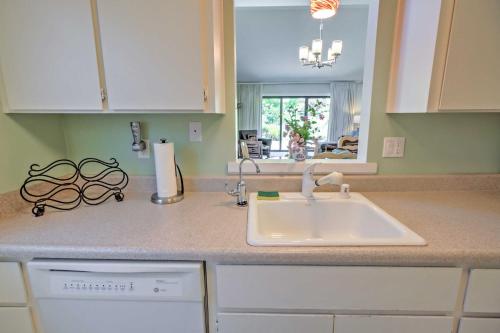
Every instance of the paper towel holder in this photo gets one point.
(180, 193)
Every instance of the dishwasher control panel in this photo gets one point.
(81, 286)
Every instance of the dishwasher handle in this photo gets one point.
(115, 267)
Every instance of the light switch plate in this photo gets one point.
(394, 147)
(195, 131)
(146, 153)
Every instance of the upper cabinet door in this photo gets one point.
(472, 74)
(48, 56)
(154, 54)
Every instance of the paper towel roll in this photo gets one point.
(166, 181)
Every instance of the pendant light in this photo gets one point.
(323, 9)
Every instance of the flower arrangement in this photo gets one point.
(302, 128)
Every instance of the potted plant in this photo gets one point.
(302, 129)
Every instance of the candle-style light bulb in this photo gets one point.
(317, 46)
(337, 47)
(331, 56)
(303, 53)
(311, 57)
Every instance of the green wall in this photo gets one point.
(436, 143)
(24, 140)
(105, 136)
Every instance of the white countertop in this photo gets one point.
(461, 228)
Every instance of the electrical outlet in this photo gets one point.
(195, 131)
(394, 147)
(146, 153)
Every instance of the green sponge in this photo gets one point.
(263, 195)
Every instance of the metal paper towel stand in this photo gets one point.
(175, 198)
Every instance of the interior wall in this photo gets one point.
(25, 140)
(268, 41)
(435, 143)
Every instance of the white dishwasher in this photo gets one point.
(118, 296)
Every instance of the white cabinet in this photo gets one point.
(472, 74)
(153, 55)
(112, 55)
(12, 291)
(48, 56)
(273, 323)
(479, 325)
(445, 57)
(392, 324)
(337, 288)
(15, 320)
(483, 291)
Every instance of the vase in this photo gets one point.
(298, 152)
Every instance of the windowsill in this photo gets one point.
(290, 167)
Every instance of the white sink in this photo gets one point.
(327, 220)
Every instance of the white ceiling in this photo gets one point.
(268, 40)
(280, 3)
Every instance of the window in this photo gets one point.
(274, 115)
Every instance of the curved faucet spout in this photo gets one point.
(257, 169)
(241, 188)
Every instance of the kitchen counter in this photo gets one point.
(462, 228)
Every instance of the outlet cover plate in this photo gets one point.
(394, 147)
(195, 134)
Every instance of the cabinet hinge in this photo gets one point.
(205, 96)
(103, 94)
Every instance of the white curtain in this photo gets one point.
(345, 103)
(250, 107)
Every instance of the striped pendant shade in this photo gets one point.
(323, 9)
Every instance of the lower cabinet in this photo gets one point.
(15, 320)
(392, 324)
(483, 292)
(12, 291)
(322, 288)
(273, 323)
(324, 323)
(15, 316)
(479, 325)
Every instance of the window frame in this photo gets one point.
(281, 97)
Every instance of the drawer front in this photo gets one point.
(479, 325)
(337, 288)
(392, 324)
(483, 291)
(274, 323)
(12, 290)
(15, 320)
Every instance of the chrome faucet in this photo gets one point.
(309, 184)
(240, 192)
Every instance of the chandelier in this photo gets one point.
(321, 9)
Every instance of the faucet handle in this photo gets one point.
(345, 190)
(234, 192)
(335, 178)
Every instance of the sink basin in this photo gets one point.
(326, 220)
